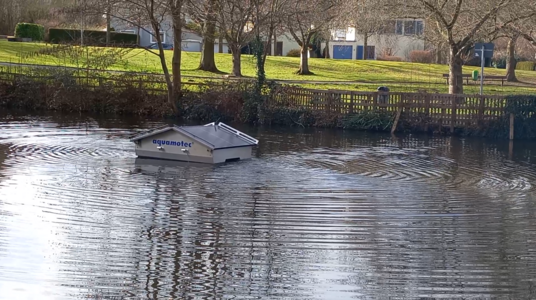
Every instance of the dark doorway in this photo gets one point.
(279, 49)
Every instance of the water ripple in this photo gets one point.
(314, 215)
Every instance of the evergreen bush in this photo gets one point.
(35, 32)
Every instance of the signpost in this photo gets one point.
(483, 50)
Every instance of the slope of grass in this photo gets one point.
(368, 75)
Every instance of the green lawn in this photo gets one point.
(399, 76)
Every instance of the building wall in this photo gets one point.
(191, 45)
(192, 41)
(217, 48)
(146, 36)
(288, 44)
(401, 45)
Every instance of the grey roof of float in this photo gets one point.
(212, 135)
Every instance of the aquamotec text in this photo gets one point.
(172, 143)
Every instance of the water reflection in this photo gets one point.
(316, 214)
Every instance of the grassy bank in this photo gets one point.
(366, 75)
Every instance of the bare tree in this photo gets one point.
(460, 23)
(204, 16)
(513, 31)
(15, 11)
(306, 18)
(270, 16)
(156, 13)
(235, 21)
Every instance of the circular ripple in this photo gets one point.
(81, 217)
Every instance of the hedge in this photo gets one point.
(91, 37)
(526, 65)
(294, 53)
(29, 30)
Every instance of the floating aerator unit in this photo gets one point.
(211, 143)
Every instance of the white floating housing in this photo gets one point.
(211, 143)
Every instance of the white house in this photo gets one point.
(191, 41)
(399, 38)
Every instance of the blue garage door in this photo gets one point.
(360, 52)
(342, 52)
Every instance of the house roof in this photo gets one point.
(215, 136)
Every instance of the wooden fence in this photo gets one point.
(443, 110)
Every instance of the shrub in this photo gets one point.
(63, 91)
(526, 65)
(91, 37)
(390, 58)
(294, 53)
(421, 56)
(369, 120)
(35, 32)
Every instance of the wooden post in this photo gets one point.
(351, 108)
(397, 118)
(511, 150)
(481, 111)
(426, 111)
(512, 120)
(453, 114)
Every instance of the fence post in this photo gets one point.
(481, 111)
(397, 118)
(453, 113)
(351, 108)
(512, 121)
(426, 111)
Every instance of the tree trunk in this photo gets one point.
(267, 46)
(275, 44)
(365, 46)
(438, 52)
(511, 60)
(138, 36)
(207, 57)
(235, 49)
(304, 61)
(220, 43)
(176, 62)
(326, 53)
(207, 53)
(108, 26)
(455, 72)
(167, 76)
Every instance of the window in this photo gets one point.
(409, 27)
(162, 37)
(419, 27)
(399, 27)
(389, 27)
(340, 35)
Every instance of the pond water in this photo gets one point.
(316, 214)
